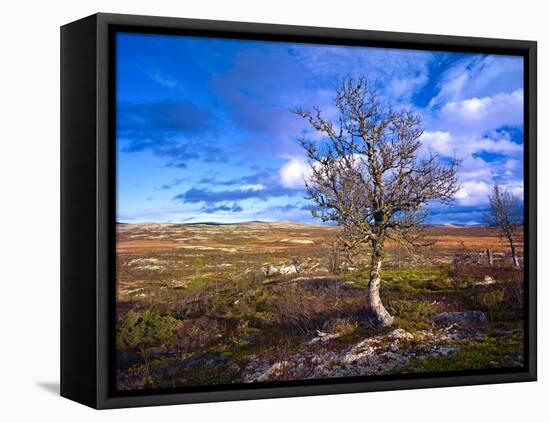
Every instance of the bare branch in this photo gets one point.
(506, 214)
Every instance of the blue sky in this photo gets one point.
(205, 130)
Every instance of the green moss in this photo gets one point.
(412, 310)
(417, 278)
(409, 280)
(491, 352)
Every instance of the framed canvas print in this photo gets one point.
(254, 211)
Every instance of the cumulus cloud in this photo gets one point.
(476, 193)
(440, 142)
(294, 173)
(474, 168)
(475, 174)
(480, 115)
(463, 146)
(477, 131)
(472, 193)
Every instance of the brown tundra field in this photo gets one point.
(202, 304)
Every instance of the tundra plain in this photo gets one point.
(203, 304)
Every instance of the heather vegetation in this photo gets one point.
(244, 303)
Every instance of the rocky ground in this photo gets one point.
(394, 352)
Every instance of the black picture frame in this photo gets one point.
(88, 208)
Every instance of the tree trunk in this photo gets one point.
(515, 260)
(490, 257)
(377, 310)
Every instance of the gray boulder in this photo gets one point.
(461, 317)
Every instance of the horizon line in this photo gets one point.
(457, 224)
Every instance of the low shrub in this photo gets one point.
(501, 301)
(149, 328)
(490, 301)
(468, 273)
(514, 294)
(412, 310)
(294, 311)
(197, 333)
(342, 326)
(198, 283)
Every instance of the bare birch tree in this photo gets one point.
(506, 214)
(369, 175)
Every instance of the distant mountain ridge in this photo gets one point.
(456, 225)
(246, 222)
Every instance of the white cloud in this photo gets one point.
(515, 187)
(463, 146)
(512, 164)
(475, 175)
(473, 193)
(481, 115)
(439, 142)
(252, 187)
(477, 97)
(294, 173)
(479, 76)
(476, 193)
(474, 168)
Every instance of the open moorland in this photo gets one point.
(201, 304)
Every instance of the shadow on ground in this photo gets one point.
(51, 387)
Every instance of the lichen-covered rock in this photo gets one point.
(400, 334)
(488, 280)
(271, 270)
(461, 317)
(376, 355)
(288, 270)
